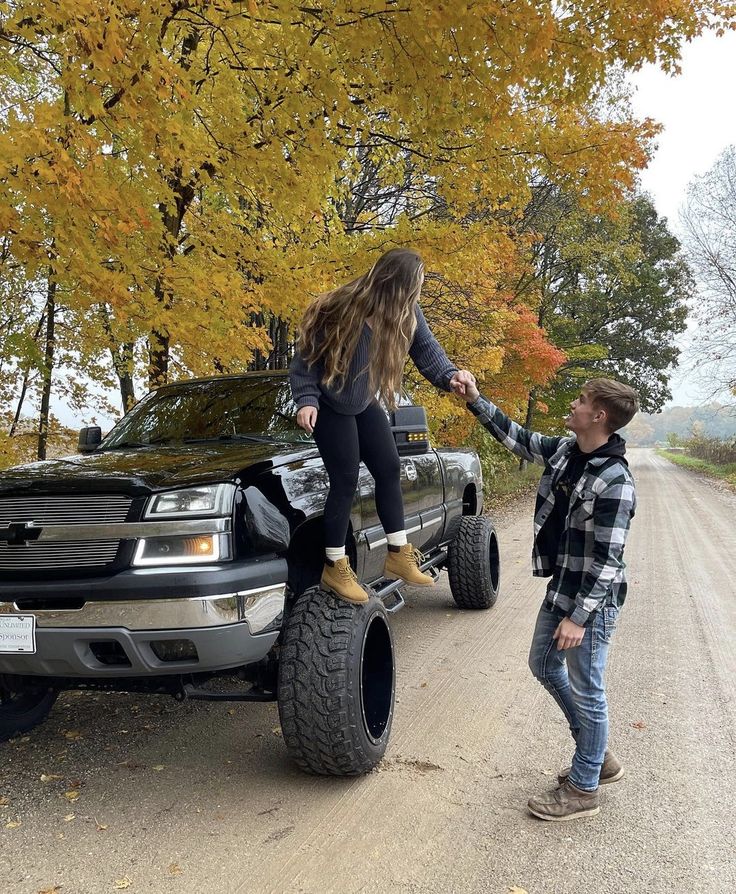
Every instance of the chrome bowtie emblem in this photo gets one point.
(20, 533)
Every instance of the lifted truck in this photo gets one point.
(188, 544)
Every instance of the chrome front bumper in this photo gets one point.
(261, 609)
(228, 630)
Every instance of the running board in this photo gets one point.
(195, 693)
(389, 591)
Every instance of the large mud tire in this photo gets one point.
(23, 705)
(336, 684)
(473, 563)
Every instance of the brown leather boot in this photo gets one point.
(343, 581)
(611, 771)
(565, 803)
(402, 562)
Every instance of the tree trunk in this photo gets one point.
(48, 367)
(24, 384)
(125, 376)
(528, 422)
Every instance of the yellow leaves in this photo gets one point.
(122, 883)
(14, 824)
(72, 796)
(175, 869)
(49, 777)
(72, 735)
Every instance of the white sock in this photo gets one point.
(398, 538)
(334, 553)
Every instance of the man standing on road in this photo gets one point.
(585, 503)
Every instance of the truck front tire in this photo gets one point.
(336, 684)
(473, 563)
(23, 705)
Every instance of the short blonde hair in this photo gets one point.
(620, 401)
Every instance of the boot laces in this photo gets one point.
(347, 573)
(415, 557)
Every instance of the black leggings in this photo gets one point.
(343, 442)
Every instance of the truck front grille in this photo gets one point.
(61, 510)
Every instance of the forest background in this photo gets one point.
(179, 179)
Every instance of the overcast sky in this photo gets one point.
(696, 109)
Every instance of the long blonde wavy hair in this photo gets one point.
(332, 325)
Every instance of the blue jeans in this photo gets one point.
(575, 679)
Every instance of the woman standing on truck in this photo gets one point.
(352, 347)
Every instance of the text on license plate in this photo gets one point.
(17, 633)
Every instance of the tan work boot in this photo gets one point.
(565, 803)
(343, 581)
(611, 771)
(403, 562)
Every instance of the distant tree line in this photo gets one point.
(682, 423)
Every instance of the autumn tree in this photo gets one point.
(611, 294)
(183, 171)
(709, 221)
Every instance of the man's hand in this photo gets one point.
(306, 418)
(568, 634)
(461, 381)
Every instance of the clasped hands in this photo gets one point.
(463, 384)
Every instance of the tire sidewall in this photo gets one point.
(470, 561)
(17, 720)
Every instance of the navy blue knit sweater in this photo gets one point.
(308, 390)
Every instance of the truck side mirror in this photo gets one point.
(89, 438)
(410, 430)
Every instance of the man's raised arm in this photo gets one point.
(529, 445)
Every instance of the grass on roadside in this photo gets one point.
(508, 482)
(726, 472)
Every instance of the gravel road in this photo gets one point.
(146, 795)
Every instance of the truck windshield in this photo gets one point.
(216, 410)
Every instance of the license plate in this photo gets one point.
(17, 634)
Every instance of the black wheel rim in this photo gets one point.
(376, 678)
(494, 559)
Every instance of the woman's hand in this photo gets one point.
(306, 418)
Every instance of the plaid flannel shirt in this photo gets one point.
(589, 569)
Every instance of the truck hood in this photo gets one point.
(144, 470)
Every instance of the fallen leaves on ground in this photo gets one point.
(121, 883)
(101, 827)
(69, 817)
(4, 802)
(14, 824)
(53, 890)
(72, 734)
(72, 796)
(50, 777)
(175, 869)
(639, 724)
(158, 767)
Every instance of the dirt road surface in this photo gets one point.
(146, 795)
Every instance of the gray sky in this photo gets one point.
(695, 109)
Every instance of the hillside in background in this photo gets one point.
(710, 420)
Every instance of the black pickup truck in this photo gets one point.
(182, 554)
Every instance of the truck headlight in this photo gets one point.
(198, 549)
(208, 500)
